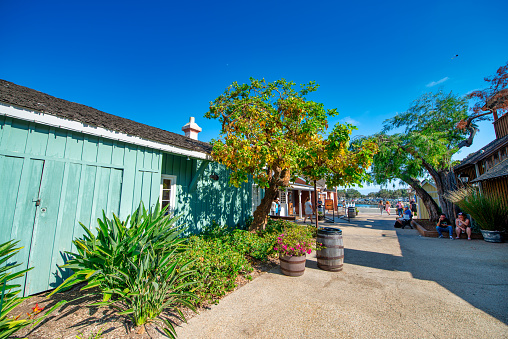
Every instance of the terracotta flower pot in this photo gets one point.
(293, 266)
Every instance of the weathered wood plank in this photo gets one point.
(37, 139)
(44, 228)
(105, 151)
(146, 187)
(57, 143)
(101, 193)
(74, 146)
(10, 174)
(118, 155)
(197, 175)
(24, 213)
(14, 135)
(128, 200)
(90, 148)
(115, 192)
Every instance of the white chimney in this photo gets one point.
(191, 129)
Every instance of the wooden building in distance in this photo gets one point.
(488, 167)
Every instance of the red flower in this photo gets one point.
(37, 309)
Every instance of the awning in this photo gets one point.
(301, 187)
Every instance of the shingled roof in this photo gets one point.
(500, 170)
(25, 97)
(485, 151)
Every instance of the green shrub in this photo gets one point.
(217, 265)
(135, 265)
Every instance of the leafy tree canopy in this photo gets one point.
(428, 128)
(425, 142)
(492, 100)
(272, 132)
(265, 128)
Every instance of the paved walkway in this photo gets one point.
(395, 284)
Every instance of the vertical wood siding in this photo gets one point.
(422, 210)
(211, 200)
(496, 187)
(75, 177)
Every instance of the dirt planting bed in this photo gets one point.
(78, 319)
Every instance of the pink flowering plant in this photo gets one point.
(295, 241)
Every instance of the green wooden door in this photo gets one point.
(64, 187)
(21, 178)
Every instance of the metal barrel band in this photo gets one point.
(294, 262)
(334, 246)
(330, 258)
(291, 271)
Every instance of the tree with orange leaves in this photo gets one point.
(492, 100)
(273, 132)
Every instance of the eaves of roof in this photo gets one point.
(31, 99)
(499, 170)
(483, 153)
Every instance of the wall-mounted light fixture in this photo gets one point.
(214, 176)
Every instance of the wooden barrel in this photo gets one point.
(330, 258)
(293, 266)
(351, 212)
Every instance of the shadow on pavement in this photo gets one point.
(475, 271)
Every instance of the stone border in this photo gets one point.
(433, 234)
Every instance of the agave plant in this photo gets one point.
(488, 211)
(9, 299)
(135, 265)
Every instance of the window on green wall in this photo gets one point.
(168, 192)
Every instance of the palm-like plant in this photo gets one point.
(136, 265)
(489, 211)
(9, 299)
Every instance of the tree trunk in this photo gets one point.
(446, 182)
(263, 210)
(279, 178)
(429, 202)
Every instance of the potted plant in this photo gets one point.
(293, 245)
(320, 216)
(488, 211)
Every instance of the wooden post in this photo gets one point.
(315, 203)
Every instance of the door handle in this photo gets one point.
(37, 202)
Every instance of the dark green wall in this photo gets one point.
(210, 199)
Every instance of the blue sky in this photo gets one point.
(161, 62)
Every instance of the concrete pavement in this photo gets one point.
(395, 284)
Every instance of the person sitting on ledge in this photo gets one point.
(405, 220)
(444, 224)
(462, 226)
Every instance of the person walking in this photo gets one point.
(275, 206)
(381, 206)
(400, 208)
(308, 210)
(387, 207)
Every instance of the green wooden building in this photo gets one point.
(62, 163)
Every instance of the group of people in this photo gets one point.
(462, 225)
(386, 206)
(275, 208)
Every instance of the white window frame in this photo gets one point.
(172, 197)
